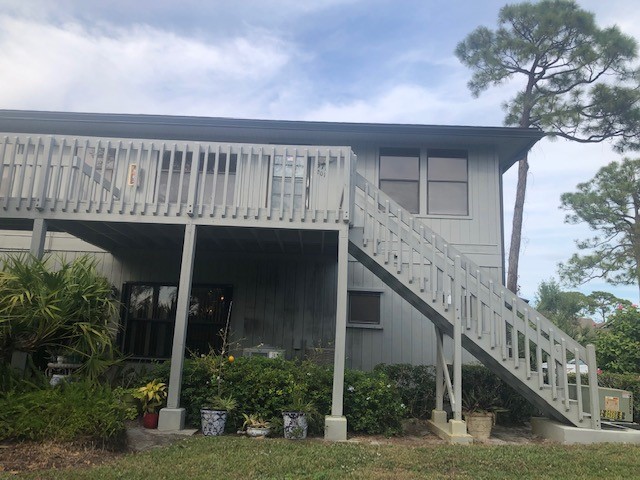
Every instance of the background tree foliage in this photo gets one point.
(609, 204)
(618, 343)
(564, 309)
(575, 81)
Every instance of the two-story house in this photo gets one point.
(369, 241)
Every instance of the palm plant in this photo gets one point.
(57, 306)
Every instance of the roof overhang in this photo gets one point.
(511, 144)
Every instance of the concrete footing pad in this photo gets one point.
(335, 429)
(171, 419)
(452, 431)
(568, 435)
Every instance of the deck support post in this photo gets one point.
(439, 371)
(38, 237)
(335, 425)
(172, 417)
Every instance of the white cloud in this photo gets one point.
(138, 69)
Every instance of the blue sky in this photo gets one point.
(338, 60)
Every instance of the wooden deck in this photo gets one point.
(159, 181)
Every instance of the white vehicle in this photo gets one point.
(571, 367)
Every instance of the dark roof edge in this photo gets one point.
(298, 125)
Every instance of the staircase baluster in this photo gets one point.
(539, 354)
(576, 355)
(527, 346)
(365, 208)
(492, 315)
(551, 366)
(503, 324)
(375, 223)
(434, 272)
(515, 348)
(564, 376)
(387, 233)
(479, 308)
(30, 193)
(446, 279)
(467, 298)
(423, 273)
(410, 250)
(399, 242)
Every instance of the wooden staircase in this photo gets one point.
(492, 323)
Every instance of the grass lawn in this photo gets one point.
(232, 457)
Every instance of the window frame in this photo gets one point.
(408, 153)
(451, 154)
(372, 292)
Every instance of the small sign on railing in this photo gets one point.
(132, 176)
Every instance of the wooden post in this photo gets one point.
(38, 237)
(336, 423)
(440, 366)
(172, 417)
(593, 386)
(457, 342)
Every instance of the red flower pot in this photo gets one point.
(150, 420)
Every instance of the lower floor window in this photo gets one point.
(150, 314)
(364, 308)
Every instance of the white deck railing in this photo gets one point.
(105, 176)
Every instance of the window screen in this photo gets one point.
(400, 176)
(364, 307)
(447, 183)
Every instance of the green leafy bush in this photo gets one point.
(70, 412)
(48, 309)
(372, 403)
(266, 387)
(478, 379)
(417, 387)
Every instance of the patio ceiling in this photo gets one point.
(117, 237)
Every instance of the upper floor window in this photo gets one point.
(400, 176)
(447, 182)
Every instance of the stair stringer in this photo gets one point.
(424, 269)
(444, 321)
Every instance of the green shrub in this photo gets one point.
(70, 412)
(417, 387)
(478, 379)
(372, 403)
(265, 387)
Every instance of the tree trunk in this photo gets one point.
(516, 230)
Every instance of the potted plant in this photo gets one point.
(152, 397)
(296, 415)
(256, 426)
(213, 415)
(479, 410)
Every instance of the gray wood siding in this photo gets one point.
(286, 301)
(479, 234)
